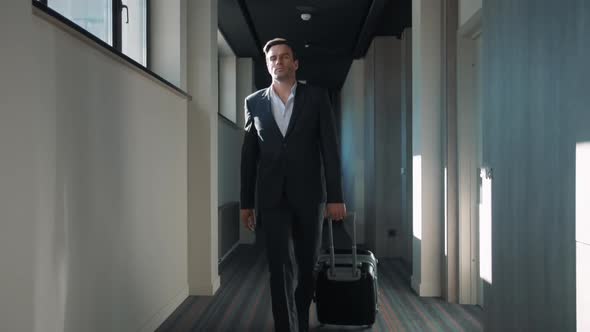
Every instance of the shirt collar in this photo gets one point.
(293, 90)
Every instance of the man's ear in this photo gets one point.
(296, 63)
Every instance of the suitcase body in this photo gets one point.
(346, 296)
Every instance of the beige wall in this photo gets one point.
(202, 83)
(93, 186)
(22, 157)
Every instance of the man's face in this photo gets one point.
(280, 63)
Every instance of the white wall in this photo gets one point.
(168, 40)
(228, 76)
(426, 147)
(467, 8)
(228, 87)
(93, 186)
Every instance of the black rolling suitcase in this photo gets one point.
(346, 289)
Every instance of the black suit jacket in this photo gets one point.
(273, 165)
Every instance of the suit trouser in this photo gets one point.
(293, 239)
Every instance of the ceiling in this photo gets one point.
(338, 32)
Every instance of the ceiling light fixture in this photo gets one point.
(306, 16)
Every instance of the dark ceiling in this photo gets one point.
(338, 32)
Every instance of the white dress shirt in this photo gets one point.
(282, 112)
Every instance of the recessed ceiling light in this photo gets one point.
(306, 16)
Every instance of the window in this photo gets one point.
(93, 16)
(120, 23)
(134, 30)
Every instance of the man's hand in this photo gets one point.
(248, 218)
(336, 211)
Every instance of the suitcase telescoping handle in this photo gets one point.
(355, 271)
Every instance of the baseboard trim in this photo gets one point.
(216, 285)
(205, 290)
(159, 317)
(424, 289)
(229, 252)
(415, 283)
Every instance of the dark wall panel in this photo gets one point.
(535, 72)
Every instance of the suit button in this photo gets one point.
(284, 145)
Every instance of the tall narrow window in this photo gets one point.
(134, 30)
(122, 24)
(94, 16)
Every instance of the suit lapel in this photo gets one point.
(297, 107)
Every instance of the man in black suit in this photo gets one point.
(289, 134)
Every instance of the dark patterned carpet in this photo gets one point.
(243, 302)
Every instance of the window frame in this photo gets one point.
(117, 25)
(117, 28)
(43, 6)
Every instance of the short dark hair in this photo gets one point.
(278, 41)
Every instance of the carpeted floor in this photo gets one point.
(243, 302)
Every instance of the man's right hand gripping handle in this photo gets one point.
(248, 218)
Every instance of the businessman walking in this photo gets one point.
(289, 134)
